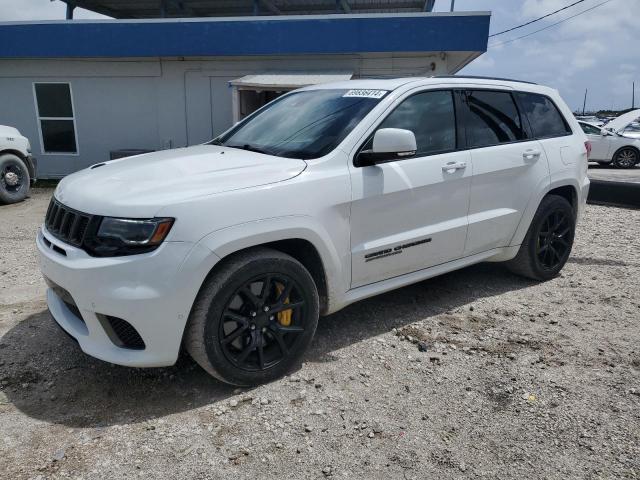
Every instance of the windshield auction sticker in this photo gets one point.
(365, 93)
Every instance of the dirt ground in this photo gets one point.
(507, 378)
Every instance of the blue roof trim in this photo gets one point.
(334, 34)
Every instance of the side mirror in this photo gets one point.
(606, 133)
(389, 144)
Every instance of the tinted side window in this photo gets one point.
(545, 118)
(431, 117)
(492, 118)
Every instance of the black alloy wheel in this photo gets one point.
(547, 244)
(254, 317)
(262, 322)
(554, 240)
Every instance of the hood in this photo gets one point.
(6, 131)
(619, 123)
(139, 186)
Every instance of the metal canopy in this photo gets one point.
(238, 8)
(287, 80)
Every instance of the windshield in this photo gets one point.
(306, 124)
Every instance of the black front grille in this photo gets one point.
(66, 224)
(122, 333)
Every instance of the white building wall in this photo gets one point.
(166, 103)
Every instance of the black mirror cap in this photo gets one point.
(368, 158)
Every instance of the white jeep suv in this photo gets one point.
(327, 195)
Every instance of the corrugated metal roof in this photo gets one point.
(231, 8)
(289, 80)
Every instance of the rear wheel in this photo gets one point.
(14, 179)
(547, 244)
(254, 318)
(626, 157)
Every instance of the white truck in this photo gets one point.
(17, 165)
(326, 196)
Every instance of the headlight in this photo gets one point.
(124, 236)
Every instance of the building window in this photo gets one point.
(56, 120)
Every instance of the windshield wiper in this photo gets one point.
(250, 148)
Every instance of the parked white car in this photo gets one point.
(326, 196)
(17, 165)
(612, 147)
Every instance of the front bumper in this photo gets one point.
(153, 292)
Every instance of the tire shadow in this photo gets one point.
(45, 375)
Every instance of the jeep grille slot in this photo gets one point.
(66, 224)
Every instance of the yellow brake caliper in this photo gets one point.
(284, 317)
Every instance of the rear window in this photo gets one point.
(545, 118)
(492, 118)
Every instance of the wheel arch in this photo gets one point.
(24, 158)
(566, 188)
(311, 247)
(632, 147)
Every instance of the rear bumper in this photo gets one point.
(152, 292)
(584, 193)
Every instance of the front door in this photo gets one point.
(411, 214)
(600, 144)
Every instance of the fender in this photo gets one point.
(226, 241)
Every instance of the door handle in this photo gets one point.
(453, 166)
(531, 154)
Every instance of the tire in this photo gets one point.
(234, 312)
(626, 157)
(542, 254)
(14, 179)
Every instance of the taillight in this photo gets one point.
(587, 145)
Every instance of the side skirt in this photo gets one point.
(372, 289)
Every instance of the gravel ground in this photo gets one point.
(477, 373)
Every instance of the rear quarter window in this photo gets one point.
(544, 117)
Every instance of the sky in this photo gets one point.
(598, 51)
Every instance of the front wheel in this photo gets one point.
(14, 179)
(547, 244)
(625, 158)
(253, 318)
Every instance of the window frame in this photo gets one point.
(392, 108)
(39, 119)
(524, 121)
(567, 125)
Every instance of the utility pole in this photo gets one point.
(633, 95)
(584, 103)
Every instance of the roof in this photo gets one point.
(394, 83)
(278, 35)
(288, 79)
(230, 8)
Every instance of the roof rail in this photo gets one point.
(475, 77)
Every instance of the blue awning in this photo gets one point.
(284, 35)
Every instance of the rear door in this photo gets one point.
(509, 166)
(411, 214)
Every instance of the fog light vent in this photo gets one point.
(122, 333)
